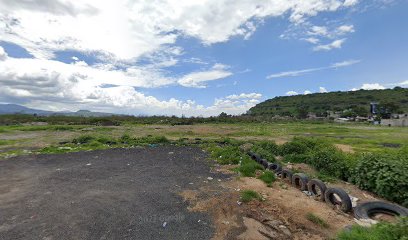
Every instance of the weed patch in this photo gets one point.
(249, 195)
(317, 220)
(268, 177)
(380, 231)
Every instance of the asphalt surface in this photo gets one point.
(109, 194)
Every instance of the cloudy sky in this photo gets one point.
(195, 57)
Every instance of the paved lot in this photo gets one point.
(110, 194)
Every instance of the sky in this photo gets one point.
(195, 58)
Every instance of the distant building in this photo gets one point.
(397, 120)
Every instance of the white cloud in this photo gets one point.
(345, 63)
(197, 79)
(322, 90)
(293, 73)
(349, 3)
(3, 54)
(404, 83)
(52, 85)
(296, 73)
(372, 86)
(307, 92)
(312, 40)
(333, 45)
(292, 93)
(319, 31)
(245, 96)
(125, 29)
(345, 29)
(369, 86)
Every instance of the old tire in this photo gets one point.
(345, 201)
(299, 180)
(264, 163)
(316, 187)
(286, 174)
(275, 167)
(368, 209)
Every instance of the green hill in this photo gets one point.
(358, 102)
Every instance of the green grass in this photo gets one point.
(268, 177)
(249, 195)
(380, 231)
(317, 220)
(248, 168)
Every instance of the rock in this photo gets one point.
(210, 178)
(273, 223)
(164, 224)
(285, 230)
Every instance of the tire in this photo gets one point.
(367, 209)
(345, 203)
(264, 163)
(287, 174)
(299, 180)
(275, 167)
(312, 186)
(257, 158)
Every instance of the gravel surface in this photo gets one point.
(109, 194)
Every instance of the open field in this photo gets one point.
(154, 156)
(349, 137)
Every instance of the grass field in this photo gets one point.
(351, 137)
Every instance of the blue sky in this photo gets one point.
(195, 58)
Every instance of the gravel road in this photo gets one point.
(107, 194)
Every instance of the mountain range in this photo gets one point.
(18, 109)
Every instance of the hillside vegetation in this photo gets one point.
(396, 100)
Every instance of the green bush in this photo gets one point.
(302, 145)
(248, 168)
(380, 231)
(268, 177)
(83, 139)
(384, 174)
(297, 158)
(267, 150)
(227, 154)
(249, 195)
(332, 162)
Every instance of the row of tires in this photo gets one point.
(332, 196)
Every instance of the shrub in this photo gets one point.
(227, 154)
(380, 231)
(297, 158)
(249, 195)
(248, 168)
(331, 161)
(83, 139)
(302, 145)
(384, 174)
(267, 150)
(268, 177)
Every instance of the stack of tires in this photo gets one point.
(335, 197)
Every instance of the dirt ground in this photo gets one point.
(282, 214)
(153, 193)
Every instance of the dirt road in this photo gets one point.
(111, 194)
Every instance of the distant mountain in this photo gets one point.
(359, 101)
(18, 109)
